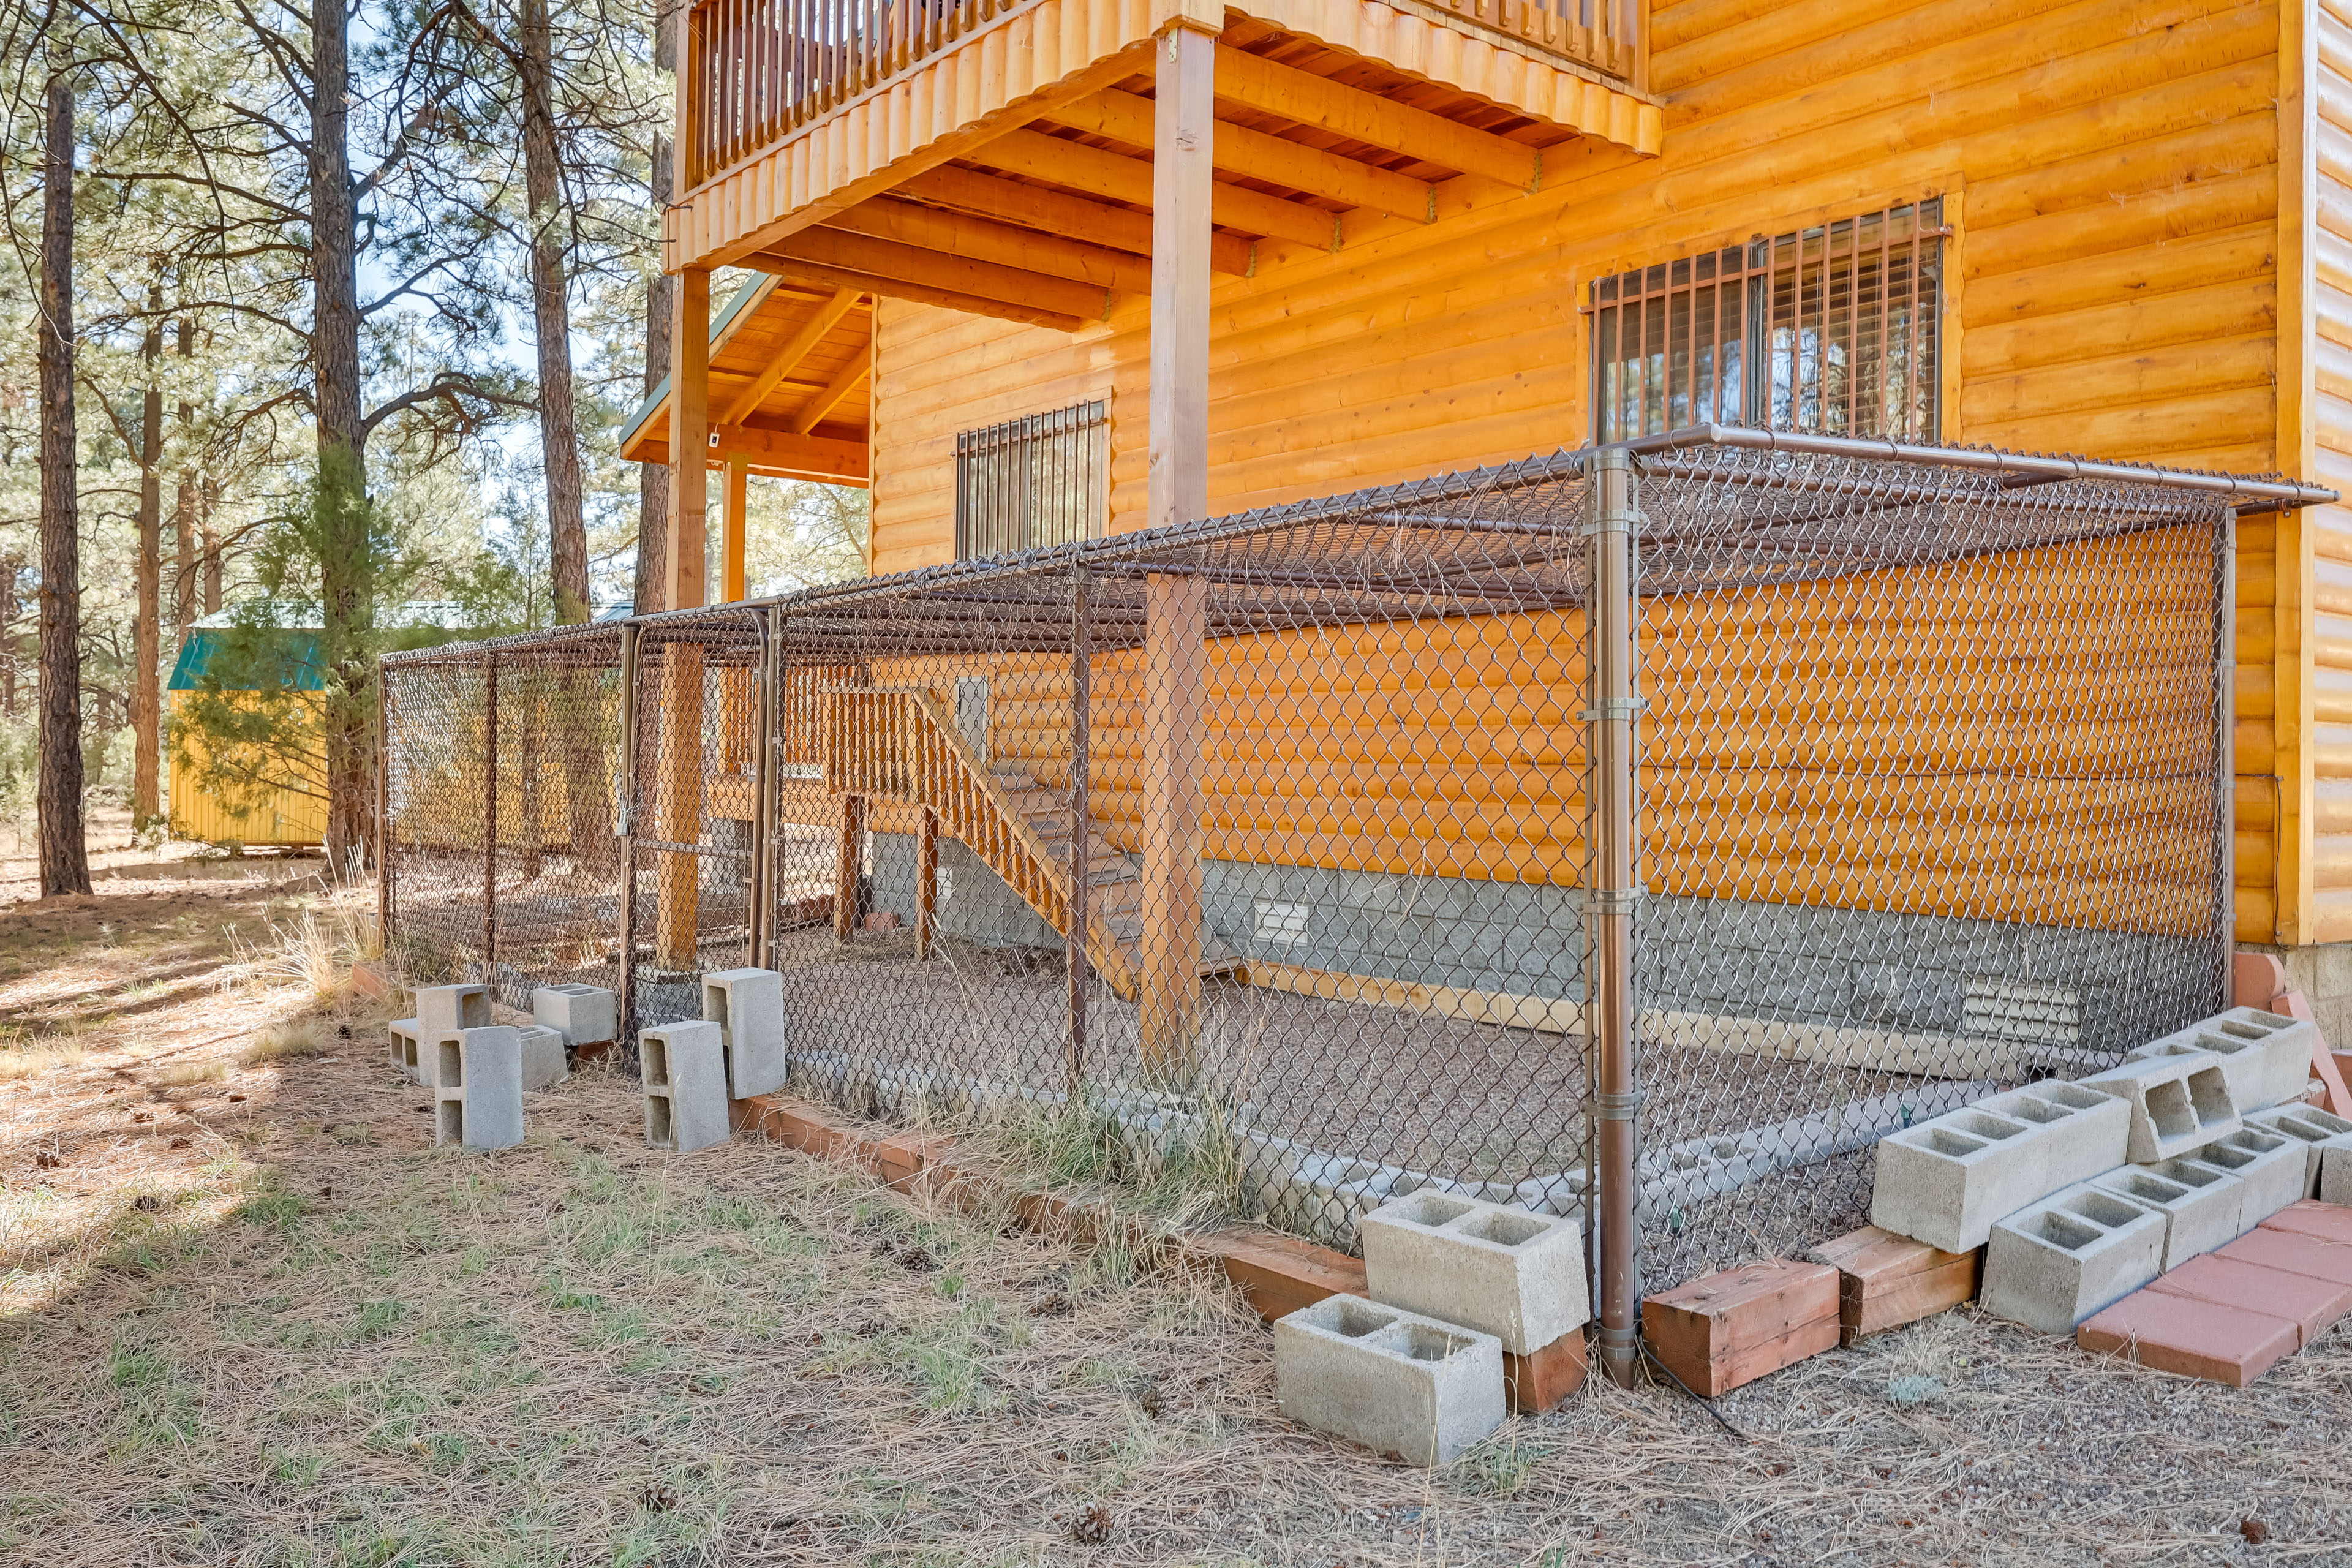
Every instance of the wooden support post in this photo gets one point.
(926, 882)
(685, 586)
(677, 935)
(849, 867)
(1176, 608)
(682, 571)
(737, 522)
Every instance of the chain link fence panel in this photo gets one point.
(1265, 844)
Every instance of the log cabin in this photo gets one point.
(1190, 256)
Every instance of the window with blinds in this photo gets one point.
(1030, 483)
(1831, 331)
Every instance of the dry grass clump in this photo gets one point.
(26, 1061)
(298, 1036)
(310, 952)
(181, 1074)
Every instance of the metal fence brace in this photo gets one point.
(1778, 791)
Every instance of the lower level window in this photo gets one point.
(1831, 331)
(1034, 481)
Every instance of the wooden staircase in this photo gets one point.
(894, 743)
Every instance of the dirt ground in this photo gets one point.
(248, 1315)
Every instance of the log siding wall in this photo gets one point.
(2110, 167)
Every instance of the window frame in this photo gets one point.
(1001, 497)
(1805, 270)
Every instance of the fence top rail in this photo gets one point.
(1496, 538)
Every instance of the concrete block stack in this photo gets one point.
(1475, 1307)
(2086, 1194)
(439, 1009)
(1493, 1267)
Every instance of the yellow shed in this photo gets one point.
(285, 803)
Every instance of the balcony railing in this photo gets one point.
(761, 69)
(1604, 34)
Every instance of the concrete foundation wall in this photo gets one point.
(2053, 987)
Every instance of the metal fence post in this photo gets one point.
(625, 826)
(2225, 730)
(1081, 831)
(491, 822)
(384, 816)
(763, 810)
(1611, 898)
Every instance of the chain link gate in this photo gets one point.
(1328, 851)
(694, 774)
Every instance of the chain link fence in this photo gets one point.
(1277, 844)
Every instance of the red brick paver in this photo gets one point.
(2328, 1222)
(2313, 1304)
(2193, 1338)
(2294, 1251)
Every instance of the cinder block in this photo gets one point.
(2177, 1102)
(2269, 1170)
(583, 1014)
(684, 1068)
(478, 1087)
(2335, 1175)
(2200, 1206)
(2265, 1056)
(1945, 1182)
(542, 1056)
(2310, 1304)
(2317, 1131)
(2190, 1338)
(1885, 1281)
(1395, 1381)
(404, 1034)
(441, 1008)
(747, 1006)
(2065, 1257)
(1721, 1330)
(1502, 1271)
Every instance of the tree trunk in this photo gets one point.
(183, 503)
(10, 608)
(343, 529)
(653, 478)
(208, 497)
(147, 621)
(558, 427)
(65, 859)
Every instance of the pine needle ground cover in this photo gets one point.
(248, 1315)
